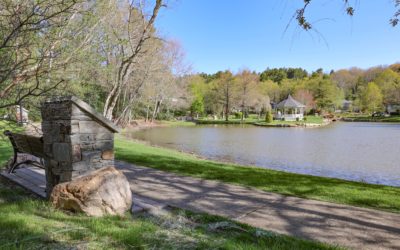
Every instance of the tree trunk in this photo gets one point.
(125, 67)
(156, 108)
(227, 106)
(147, 113)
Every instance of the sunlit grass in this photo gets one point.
(178, 123)
(5, 145)
(261, 122)
(368, 118)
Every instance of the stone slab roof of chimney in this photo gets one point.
(88, 109)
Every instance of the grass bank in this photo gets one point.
(29, 223)
(261, 122)
(230, 121)
(305, 186)
(368, 118)
(177, 123)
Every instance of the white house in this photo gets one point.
(393, 108)
(21, 114)
(290, 110)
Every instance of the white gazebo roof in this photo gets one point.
(290, 103)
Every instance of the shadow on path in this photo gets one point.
(354, 227)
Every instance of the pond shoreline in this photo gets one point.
(301, 125)
(261, 123)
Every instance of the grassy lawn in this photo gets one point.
(314, 119)
(5, 151)
(29, 223)
(178, 123)
(305, 186)
(231, 121)
(261, 122)
(368, 118)
(5, 145)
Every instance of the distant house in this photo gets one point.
(290, 110)
(347, 105)
(393, 108)
(21, 114)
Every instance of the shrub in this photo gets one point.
(238, 115)
(165, 116)
(268, 117)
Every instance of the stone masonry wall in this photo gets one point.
(74, 142)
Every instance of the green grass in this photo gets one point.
(5, 145)
(5, 151)
(178, 123)
(314, 119)
(260, 122)
(230, 121)
(305, 186)
(368, 118)
(29, 223)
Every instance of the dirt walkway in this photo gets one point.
(349, 226)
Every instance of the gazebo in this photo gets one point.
(290, 110)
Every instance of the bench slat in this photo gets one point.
(21, 143)
(26, 143)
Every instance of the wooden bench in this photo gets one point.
(25, 144)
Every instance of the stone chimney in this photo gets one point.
(76, 139)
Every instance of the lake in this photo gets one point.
(368, 152)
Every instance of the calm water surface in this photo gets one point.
(367, 152)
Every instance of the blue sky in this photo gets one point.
(235, 34)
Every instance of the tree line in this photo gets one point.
(224, 93)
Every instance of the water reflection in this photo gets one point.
(367, 152)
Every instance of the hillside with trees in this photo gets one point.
(367, 91)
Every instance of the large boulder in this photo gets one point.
(104, 191)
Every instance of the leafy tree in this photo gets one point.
(389, 83)
(247, 87)
(271, 89)
(326, 94)
(121, 27)
(226, 90)
(348, 80)
(371, 98)
(296, 73)
(276, 75)
(197, 106)
(318, 73)
(305, 97)
(38, 43)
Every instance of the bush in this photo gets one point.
(268, 117)
(165, 116)
(238, 115)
